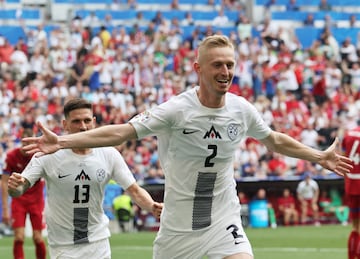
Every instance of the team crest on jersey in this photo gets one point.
(100, 175)
(233, 131)
(82, 176)
(212, 133)
(144, 116)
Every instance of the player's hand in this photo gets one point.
(334, 162)
(156, 210)
(15, 181)
(45, 144)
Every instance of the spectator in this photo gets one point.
(19, 63)
(188, 19)
(308, 196)
(91, 20)
(277, 166)
(328, 132)
(324, 5)
(309, 135)
(309, 20)
(139, 19)
(221, 19)
(78, 71)
(174, 5)
(244, 28)
(353, 23)
(287, 208)
(292, 5)
(158, 19)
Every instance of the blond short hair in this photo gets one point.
(214, 41)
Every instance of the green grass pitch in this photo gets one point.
(324, 242)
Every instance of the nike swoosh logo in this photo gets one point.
(239, 242)
(187, 131)
(62, 176)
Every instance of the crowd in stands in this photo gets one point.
(311, 94)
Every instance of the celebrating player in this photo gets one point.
(198, 132)
(75, 183)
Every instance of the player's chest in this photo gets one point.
(87, 171)
(199, 132)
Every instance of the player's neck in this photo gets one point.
(210, 100)
(82, 151)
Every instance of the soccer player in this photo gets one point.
(308, 192)
(198, 132)
(287, 207)
(31, 203)
(75, 182)
(351, 147)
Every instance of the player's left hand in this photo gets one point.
(334, 162)
(157, 209)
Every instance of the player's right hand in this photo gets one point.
(15, 180)
(45, 144)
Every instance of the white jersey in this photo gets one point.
(196, 147)
(307, 190)
(75, 190)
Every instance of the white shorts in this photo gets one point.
(215, 242)
(95, 250)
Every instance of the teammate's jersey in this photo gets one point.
(16, 161)
(351, 146)
(75, 189)
(307, 190)
(196, 146)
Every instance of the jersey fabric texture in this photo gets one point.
(75, 189)
(196, 146)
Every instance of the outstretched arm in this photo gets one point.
(142, 198)
(49, 142)
(328, 159)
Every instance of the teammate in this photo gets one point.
(198, 132)
(31, 203)
(351, 147)
(308, 192)
(75, 182)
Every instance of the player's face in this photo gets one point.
(79, 120)
(216, 70)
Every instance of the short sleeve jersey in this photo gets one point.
(75, 187)
(351, 146)
(196, 149)
(16, 161)
(307, 190)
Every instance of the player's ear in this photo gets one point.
(196, 67)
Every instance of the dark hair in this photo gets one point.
(27, 132)
(74, 104)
